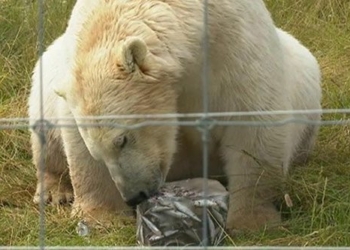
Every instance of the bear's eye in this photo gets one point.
(120, 141)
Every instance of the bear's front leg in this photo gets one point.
(57, 184)
(255, 173)
(96, 198)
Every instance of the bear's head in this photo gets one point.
(125, 78)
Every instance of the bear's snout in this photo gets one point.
(140, 197)
(136, 200)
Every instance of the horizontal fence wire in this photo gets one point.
(25, 123)
(198, 115)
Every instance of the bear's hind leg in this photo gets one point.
(306, 145)
(57, 185)
(255, 168)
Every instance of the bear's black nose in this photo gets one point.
(136, 200)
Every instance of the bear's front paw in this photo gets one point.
(95, 218)
(257, 218)
(55, 193)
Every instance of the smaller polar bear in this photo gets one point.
(144, 57)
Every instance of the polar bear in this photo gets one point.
(145, 57)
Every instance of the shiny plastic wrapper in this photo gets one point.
(175, 216)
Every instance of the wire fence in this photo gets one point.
(204, 122)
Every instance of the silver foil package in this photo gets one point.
(174, 217)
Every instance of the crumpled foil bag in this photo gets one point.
(174, 217)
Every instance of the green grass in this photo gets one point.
(320, 192)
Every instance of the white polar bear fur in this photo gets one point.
(270, 70)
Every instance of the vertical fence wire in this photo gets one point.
(42, 125)
(204, 127)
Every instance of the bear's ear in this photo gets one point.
(60, 89)
(60, 93)
(133, 53)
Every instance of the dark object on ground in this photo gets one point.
(175, 216)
